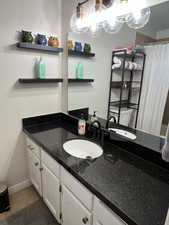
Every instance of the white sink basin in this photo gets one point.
(124, 133)
(83, 149)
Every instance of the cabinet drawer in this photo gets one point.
(104, 215)
(79, 190)
(34, 171)
(73, 211)
(33, 147)
(50, 163)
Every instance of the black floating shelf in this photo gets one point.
(82, 54)
(37, 81)
(129, 55)
(39, 47)
(71, 80)
(124, 84)
(124, 103)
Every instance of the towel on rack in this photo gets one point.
(117, 63)
(165, 149)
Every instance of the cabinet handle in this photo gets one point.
(85, 220)
(36, 164)
(41, 169)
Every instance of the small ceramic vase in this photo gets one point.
(41, 39)
(27, 36)
(70, 45)
(53, 41)
(78, 47)
(87, 48)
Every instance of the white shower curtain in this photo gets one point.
(155, 88)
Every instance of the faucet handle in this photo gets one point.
(94, 128)
(96, 124)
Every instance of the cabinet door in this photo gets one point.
(73, 212)
(51, 194)
(104, 216)
(34, 171)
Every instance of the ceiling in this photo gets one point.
(159, 19)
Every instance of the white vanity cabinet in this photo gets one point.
(76, 201)
(69, 200)
(34, 165)
(104, 216)
(73, 211)
(51, 184)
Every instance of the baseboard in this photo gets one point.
(20, 186)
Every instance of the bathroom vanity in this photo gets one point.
(117, 188)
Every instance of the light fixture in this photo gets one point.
(139, 18)
(109, 15)
(112, 26)
(78, 22)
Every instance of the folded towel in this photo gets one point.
(116, 66)
(165, 149)
(117, 63)
(116, 60)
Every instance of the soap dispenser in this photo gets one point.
(94, 117)
(82, 125)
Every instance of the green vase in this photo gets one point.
(27, 36)
(87, 48)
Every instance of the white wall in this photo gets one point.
(19, 101)
(95, 95)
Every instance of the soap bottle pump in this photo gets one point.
(94, 117)
(82, 125)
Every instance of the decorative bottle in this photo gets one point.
(41, 69)
(79, 71)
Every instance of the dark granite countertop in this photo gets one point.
(133, 188)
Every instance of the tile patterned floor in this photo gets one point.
(27, 208)
(20, 200)
(35, 214)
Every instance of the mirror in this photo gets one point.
(132, 87)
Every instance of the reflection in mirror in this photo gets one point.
(131, 84)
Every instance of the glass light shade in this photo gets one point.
(94, 30)
(78, 25)
(139, 18)
(94, 22)
(107, 3)
(121, 10)
(112, 26)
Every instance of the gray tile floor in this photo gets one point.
(35, 214)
